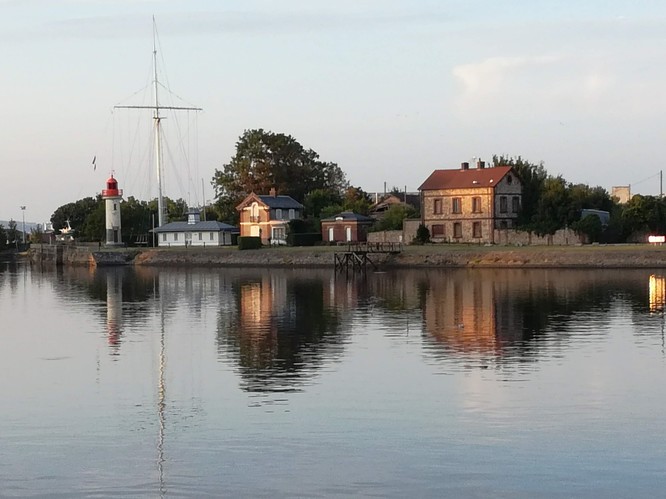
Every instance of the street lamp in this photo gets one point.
(23, 215)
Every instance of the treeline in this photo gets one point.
(265, 160)
(550, 203)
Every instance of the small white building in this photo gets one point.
(194, 232)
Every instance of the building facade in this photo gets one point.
(268, 216)
(346, 227)
(467, 205)
(194, 232)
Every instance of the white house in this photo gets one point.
(194, 232)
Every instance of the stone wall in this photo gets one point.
(512, 237)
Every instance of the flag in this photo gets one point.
(94, 163)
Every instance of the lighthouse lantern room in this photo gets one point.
(112, 196)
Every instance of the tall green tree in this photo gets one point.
(265, 160)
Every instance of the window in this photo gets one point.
(292, 214)
(200, 236)
(164, 236)
(115, 206)
(278, 213)
(515, 204)
(211, 236)
(438, 230)
(457, 230)
(503, 204)
(456, 205)
(437, 207)
(476, 204)
(476, 229)
(175, 236)
(509, 179)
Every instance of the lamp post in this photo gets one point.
(23, 216)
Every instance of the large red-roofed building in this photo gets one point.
(467, 205)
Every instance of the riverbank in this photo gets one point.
(428, 256)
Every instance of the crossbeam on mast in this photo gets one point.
(160, 107)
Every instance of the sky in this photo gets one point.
(388, 89)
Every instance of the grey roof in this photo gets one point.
(207, 226)
(349, 215)
(604, 216)
(286, 202)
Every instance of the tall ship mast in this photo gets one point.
(157, 119)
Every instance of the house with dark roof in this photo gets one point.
(346, 226)
(268, 216)
(195, 232)
(468, 204)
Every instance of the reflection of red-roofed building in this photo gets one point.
(467, 205)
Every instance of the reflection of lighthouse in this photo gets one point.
(114, 304)
(112, 196)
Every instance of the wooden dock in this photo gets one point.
(357, 255)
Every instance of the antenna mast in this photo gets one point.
(158, 135)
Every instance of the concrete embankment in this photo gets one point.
(621, 256)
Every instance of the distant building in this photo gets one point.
(467, 205)
(622, 193)
(268, 216)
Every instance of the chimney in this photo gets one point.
(272, 192)
(464, 166)
(480, 164)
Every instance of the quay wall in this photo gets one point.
(588, 256)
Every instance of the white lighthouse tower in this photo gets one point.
(112, 196)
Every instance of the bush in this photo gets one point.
(249, 242)
(590, 226)
(422, 235)
(306, 239)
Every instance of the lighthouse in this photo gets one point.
(112, 196)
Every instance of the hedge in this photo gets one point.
(249, 242)
(305, 239)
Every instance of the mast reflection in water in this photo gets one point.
(300, 382)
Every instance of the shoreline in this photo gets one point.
(428, 256)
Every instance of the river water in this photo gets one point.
(149, 382)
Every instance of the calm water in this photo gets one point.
(276, 383)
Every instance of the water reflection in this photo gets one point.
(279, 327)
(127, 381)
(282, 327)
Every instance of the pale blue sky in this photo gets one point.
(389, 89)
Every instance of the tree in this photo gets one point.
(315, 201)
(394, 217)
(266, 160)
(643, 214)
(590, 225)
(357, 200)
(12, 232)
(78, 213)
(422, 235)
(36, 234)
(3, 237)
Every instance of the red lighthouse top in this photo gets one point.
(112, 190)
